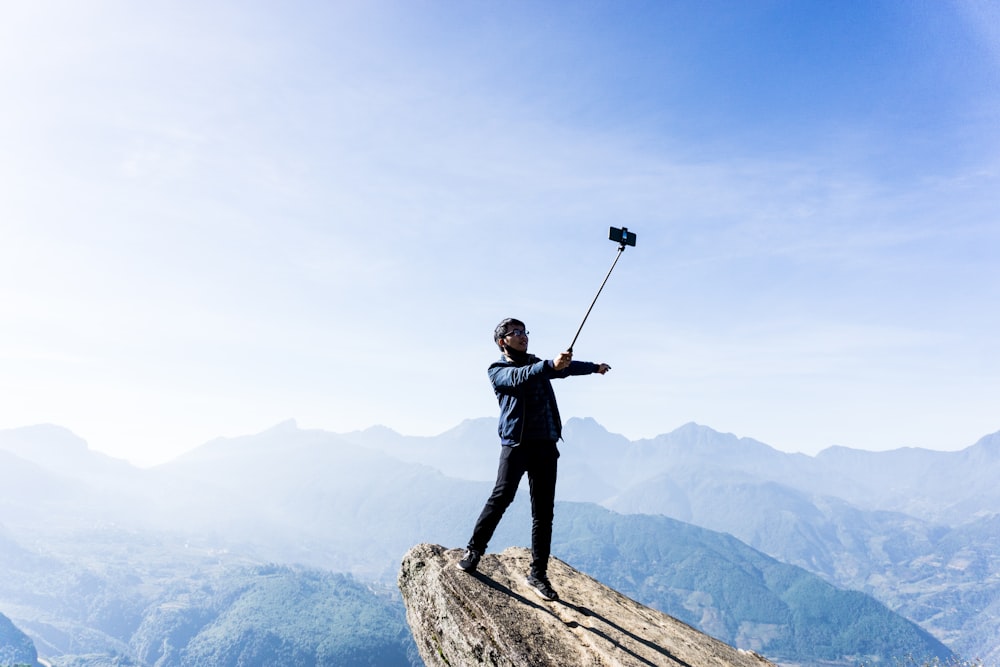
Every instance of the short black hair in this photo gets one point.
(501, 329)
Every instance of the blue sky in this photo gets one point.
(217, 216)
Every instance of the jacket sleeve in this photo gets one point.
(506, 378)
(574, 368)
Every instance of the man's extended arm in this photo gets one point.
(564, 366)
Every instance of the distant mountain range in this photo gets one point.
(917, 530)
(947, 488)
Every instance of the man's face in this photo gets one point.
(516, 338)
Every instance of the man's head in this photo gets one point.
(511, 333)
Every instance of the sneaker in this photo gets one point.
(541, 586)
(470, 561)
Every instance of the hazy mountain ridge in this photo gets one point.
(61, 451)
(949, 487)
(944, 487)
(923, 483)
(298, 486)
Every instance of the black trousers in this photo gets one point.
(538, 459)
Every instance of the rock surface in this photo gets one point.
(493, 618)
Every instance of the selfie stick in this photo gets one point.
(624, 238)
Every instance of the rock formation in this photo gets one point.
(493, 618)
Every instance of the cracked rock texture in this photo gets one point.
(493, 618)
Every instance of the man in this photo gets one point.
(529, 428)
